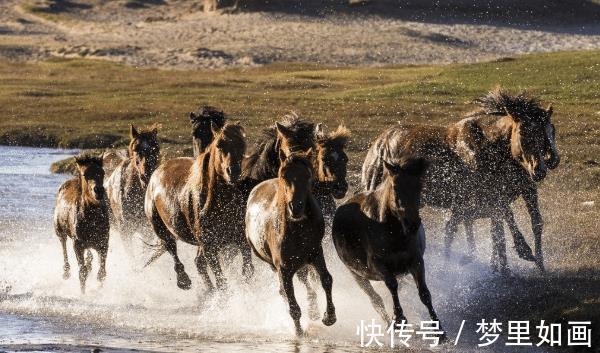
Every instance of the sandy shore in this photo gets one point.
(178, 35)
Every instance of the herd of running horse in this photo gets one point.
(274, 201)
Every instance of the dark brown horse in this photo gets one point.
(378, 235)
(196, 200)
(285, 227)
(81, 213)
(479, 165)
(126, 186)
(201, 122)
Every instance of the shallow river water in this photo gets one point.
(144, 310)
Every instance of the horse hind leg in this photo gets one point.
(313, 305)
(521, 246)
(183, 280)
(287, 291)
(375, 298)
(451, 228)
(329, 318)
(472, 249)
(499, 261)
(66, 266)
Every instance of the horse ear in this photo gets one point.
(549, 110)
(512, 116)
(133, 133)
(283, 130)
(214, 128)
(154, 128)
(308, 152)
(193, 117)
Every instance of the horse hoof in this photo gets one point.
(329, 319)
(101, 277)
(299, 332)
(183, 281)
(66, 275)
(397, 321)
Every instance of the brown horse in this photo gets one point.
(285, 227)
(126, 185)
(479, 165)
(201, 122)
(196, 200)
(81, 213)
(377, 234)
(293, 134)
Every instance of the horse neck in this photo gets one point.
(499, 136)
(85, 199)
(130, 173)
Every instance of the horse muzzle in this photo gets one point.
(296, 210)
(340, 190)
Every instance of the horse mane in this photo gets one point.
(86, 159)
(207, 112)
(263, 161)
(338, 138)
(500, 102)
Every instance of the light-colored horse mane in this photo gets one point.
(204, 171)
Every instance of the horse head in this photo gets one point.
(295, 179)
(406, 176)
(201, 122)
(331, 161)
(144, 151)
(91, 176)
(227, 149)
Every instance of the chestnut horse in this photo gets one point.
(196, 200)
(126, 186)
(201, 122)
(285, 227)
(81, 213)
(479, 165)
(378, 235)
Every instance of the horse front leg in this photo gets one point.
(83, 268)
(537, 224)
(329, 317)
(498, 262)
(375, 298)
(201, 265)
(212, 257)
(170, 245)
(103, 251)
(392, 285)
(287, 291)
(313, 305)
(521, 246)
(418, 273)
(247, 265)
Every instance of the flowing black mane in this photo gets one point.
(500, 102)
(263, 161)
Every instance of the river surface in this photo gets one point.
(144, 310)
